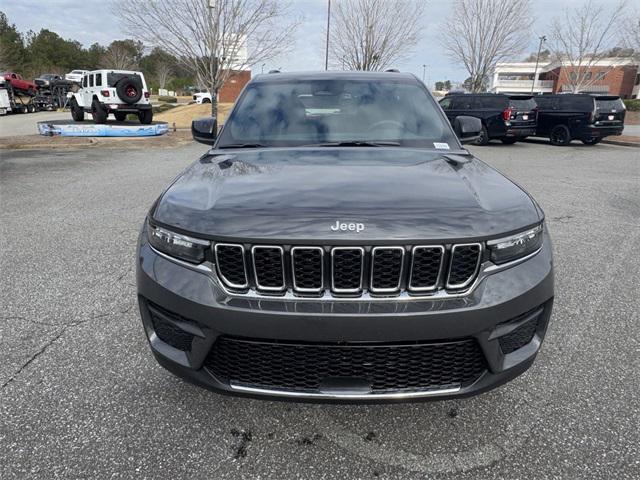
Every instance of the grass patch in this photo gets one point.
(633, 105)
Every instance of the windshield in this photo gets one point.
(335, 111)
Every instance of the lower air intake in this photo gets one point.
(385, 367)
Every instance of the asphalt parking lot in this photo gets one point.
(82, 397)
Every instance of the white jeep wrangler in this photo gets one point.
(111, 91)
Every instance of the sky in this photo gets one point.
(90, 21)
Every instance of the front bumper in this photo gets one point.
(207, 313)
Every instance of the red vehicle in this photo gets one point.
(19, 83)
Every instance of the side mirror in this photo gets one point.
(205, 130)
(467, 129)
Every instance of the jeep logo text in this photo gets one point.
(351, 227)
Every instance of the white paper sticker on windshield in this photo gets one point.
(441, 146)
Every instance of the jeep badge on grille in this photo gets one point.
(352, 227)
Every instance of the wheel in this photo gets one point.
(77, 113)
(120, 116)
(145, 116)
(31, 108)
(98, 112)
(483, 138)
(129, 89)
(509, 140)
(560, 136)
(591, 141)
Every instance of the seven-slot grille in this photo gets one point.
(346, 270)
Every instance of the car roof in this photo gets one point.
(110, 70)
(332, 75)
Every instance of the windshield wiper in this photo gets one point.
(242, 145)
(356, 143)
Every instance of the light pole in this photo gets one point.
(424, 72)
(262, 71)
(326, 50)
(535, 70)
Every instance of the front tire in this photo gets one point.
(560, 136)
(591, 141)
(206, 100)
(145, 116)
(98, 112)
(77, 113)
(483, 138)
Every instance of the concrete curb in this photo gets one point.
(621, 143)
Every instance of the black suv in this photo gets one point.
(339, 243)
(506, 117)
(589, 118)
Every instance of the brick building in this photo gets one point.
(613, 76)
(233, 86)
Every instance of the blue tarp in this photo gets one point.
(71, 129)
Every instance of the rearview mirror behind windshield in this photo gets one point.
(467, 129)
(205, 130)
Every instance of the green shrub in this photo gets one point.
(633, 105)
(168, 99)
(163, 108)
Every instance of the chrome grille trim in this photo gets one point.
(293, 270)
(265, 288)
(400, 275)
(440, 268)
(280, 266)
(346, 290)
(244, 262)
(457, 286)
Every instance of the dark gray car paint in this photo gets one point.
(296, 194)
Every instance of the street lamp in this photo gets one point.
(424, 72)
(262, 71)
(326, 51)
(535, 70)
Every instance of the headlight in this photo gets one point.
(516, 246)
(177, 245)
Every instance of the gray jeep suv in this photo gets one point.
(339, 243)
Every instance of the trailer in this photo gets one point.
(47, 98)
(13, 100)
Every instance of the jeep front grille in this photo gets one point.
(346, 270)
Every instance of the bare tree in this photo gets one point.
(212, 41)
(163, 71)
(374, 34)
(631, 33)
(122, 55)
(481, 33)
(581, 38)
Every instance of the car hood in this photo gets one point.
(299, 194)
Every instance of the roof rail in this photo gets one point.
(274, 71)
(392, 70)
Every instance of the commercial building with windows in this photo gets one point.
(612, 76)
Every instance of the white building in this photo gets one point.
(615, 76)
(517, 77)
